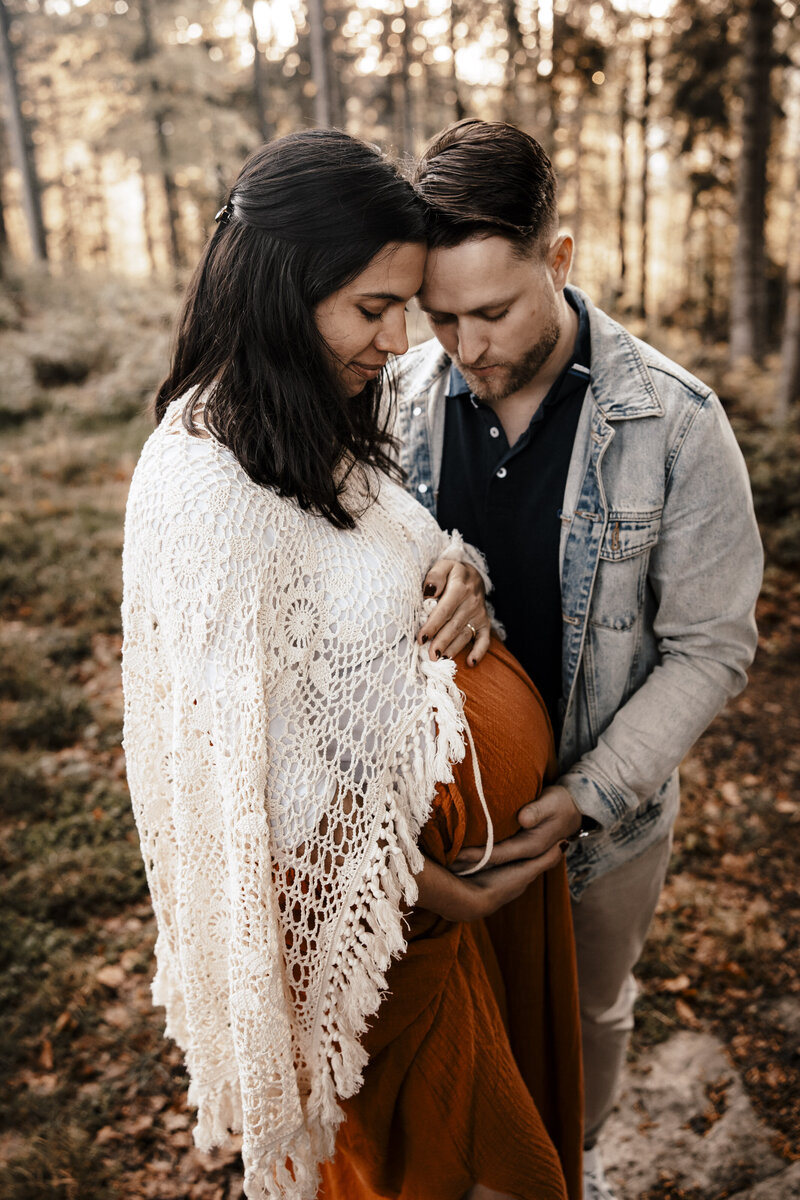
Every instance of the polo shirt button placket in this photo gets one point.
(501, 474)
(494, 431)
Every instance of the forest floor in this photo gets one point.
(92, 1098)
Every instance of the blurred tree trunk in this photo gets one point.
(577, 123)
(623, 179)
(336, 99)
(147, 53)
(3, 196)
(98, 194)
(407, 93)
(788, 396)
(21, 148)
(511, 105)
(3, 229)
(789, 384)
(748, 328)
(459, 111)
(709, 321)
(319, 63)
(260, 79)
(147, 222)
(644, 122)
(386, 92)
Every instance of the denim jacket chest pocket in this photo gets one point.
(619, 593)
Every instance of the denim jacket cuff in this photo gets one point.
(608, 807)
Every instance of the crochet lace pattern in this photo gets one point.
(284, 736)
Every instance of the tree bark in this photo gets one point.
(788, 394)
(623, 185)
(21, 149)
(459, 112)
(511, 106)
(645, 182)
(407, 91)
(748, 317)
(159, 121)
(3, 203)
(260, 82)
(319, 63)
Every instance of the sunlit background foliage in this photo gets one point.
(138, 113)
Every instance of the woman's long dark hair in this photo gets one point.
(307, 214)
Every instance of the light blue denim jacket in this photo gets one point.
(660, 566)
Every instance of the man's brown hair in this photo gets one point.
(484, 178)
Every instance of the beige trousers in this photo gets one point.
(611, 920)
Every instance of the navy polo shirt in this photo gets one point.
(507, 501)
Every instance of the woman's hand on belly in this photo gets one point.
(460, 609)
(478, 896)
(546, 824)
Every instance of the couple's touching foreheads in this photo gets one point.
(415, 641)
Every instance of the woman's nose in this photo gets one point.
(393, 338)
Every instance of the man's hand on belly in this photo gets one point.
(475, 898)
(545, 824)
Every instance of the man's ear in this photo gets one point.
(559, 259)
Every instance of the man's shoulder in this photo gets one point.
(414, 373)
(631, 378)
(661, 366)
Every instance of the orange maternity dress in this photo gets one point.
(475, 1070)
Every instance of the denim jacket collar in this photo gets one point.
(620, 382)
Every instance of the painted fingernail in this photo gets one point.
(563, 846)
(424, 638)
(438, 653)
(429, 590)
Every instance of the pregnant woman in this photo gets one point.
(304, 770)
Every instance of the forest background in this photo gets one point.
(674, 127)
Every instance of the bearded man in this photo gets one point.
(605, 487)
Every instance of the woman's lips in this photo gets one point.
(367, 370)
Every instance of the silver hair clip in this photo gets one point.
(224, 215)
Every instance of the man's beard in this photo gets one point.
(512, 377)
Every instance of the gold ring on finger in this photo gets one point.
(472, 630)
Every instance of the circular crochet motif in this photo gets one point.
(192, 559)
(301, 623)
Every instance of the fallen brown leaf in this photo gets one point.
(679, 984)
(111, 976)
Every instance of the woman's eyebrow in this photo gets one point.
(381, 296)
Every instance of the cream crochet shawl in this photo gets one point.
(284, 736)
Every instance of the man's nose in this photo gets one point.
(471, 343)
(392, 337)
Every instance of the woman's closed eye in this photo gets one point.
(370, 316)
(375, 316)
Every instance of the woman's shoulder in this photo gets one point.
(189, 468)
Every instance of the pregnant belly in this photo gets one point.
(514, 745)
